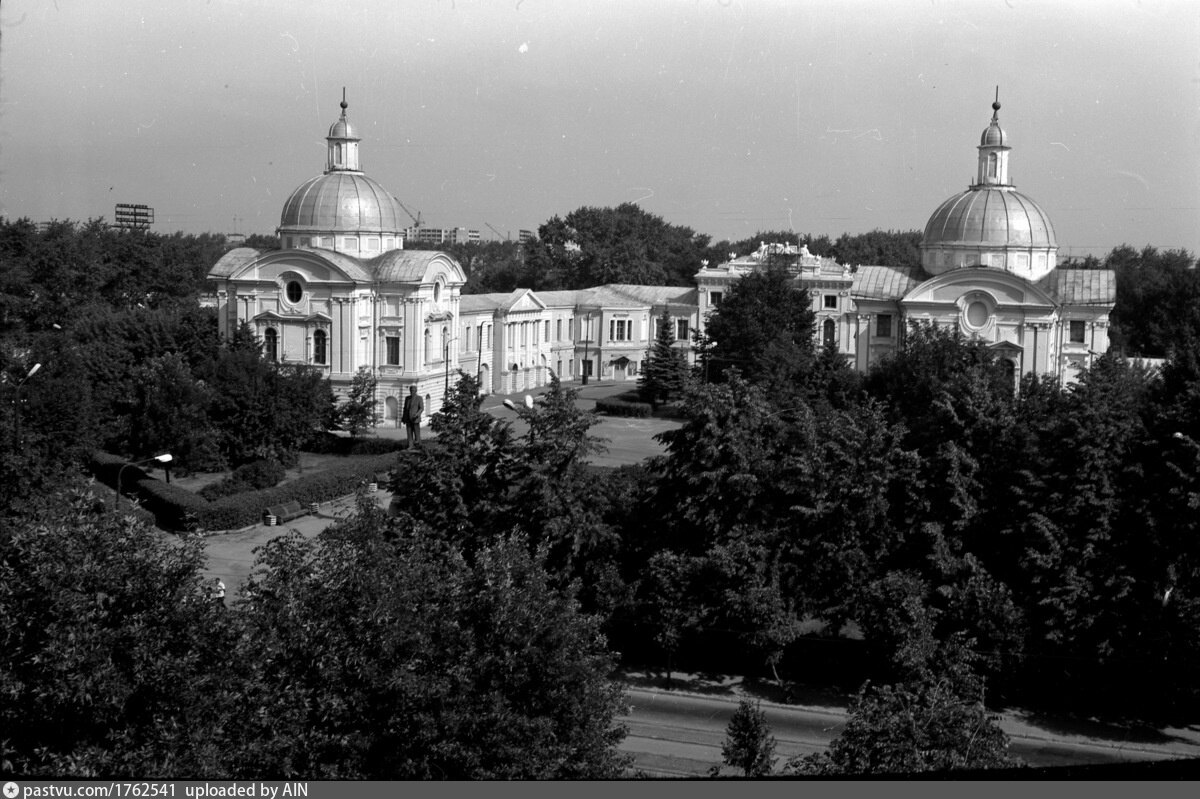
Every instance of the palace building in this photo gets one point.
(342, 294)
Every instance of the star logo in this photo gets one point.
(11, 789)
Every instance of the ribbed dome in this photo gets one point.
(342, 202)
(993, 136)
(994, 217)
(343, 129)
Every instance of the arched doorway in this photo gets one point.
(829, 333)
(389, 409)
(485, 379)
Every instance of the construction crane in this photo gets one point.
(416, 219)
(502, 236)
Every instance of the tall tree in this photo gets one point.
(665, 371)
(594, 246)
(378, 651)
(764, 329)
(114, 652)
(933, 720)
(359, 413)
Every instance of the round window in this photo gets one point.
(294, 292)
(977, 314)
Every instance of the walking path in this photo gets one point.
(231, 554)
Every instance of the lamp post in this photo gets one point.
(33, 370)
(165, 458)
(446, 359)
(479, 360)
(586, 340)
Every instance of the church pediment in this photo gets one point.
(1004, 288)
(312, 266)
(528, 301)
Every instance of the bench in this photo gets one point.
(287, 511)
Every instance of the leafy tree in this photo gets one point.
(378, 651)
(593, 246)
(552, 490)
(748, 743)
(267, 411)
(114, 652)
(461, 484)
(1158, 297)
(889, 248)
(665, 371)
(666, 596)
(934, 721)
(171, 415)
(359, 413)
(48, 421)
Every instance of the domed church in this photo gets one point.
(988, 267)
(342, 294)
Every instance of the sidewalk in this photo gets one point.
(231, 553)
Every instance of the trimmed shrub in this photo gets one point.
(247, 477)
(176, 508)
(330, 444)
(260, 474)
(617, 407)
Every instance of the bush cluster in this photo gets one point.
(326, 443)
(618, 407)
(176, 508)
(247, 477)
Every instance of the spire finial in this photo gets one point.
(996, 104)
(345, 105)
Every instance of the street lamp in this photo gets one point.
(446, 358)
(165, 458)
(479, 360)
(587, 338)
(33, 370)
(512, 406)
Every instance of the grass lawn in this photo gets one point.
(308, 463)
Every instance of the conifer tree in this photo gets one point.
(665, 372)
(748, 743)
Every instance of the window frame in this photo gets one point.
(879, 325)
(320, 347)
(1081, 325)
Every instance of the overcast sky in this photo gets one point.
(727, 116)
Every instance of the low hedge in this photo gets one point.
(176, 508)
(618, 407)
(330, 444)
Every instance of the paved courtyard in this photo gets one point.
(231, 555)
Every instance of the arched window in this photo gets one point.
(445, 344)
(829, 332)
(271, 344)
(992, 161)
(428, 346)
(319, 346)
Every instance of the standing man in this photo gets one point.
(413, 407)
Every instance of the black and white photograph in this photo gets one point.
(633, 391)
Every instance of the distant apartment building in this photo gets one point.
(438, 235)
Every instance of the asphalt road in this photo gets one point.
(680, 735)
